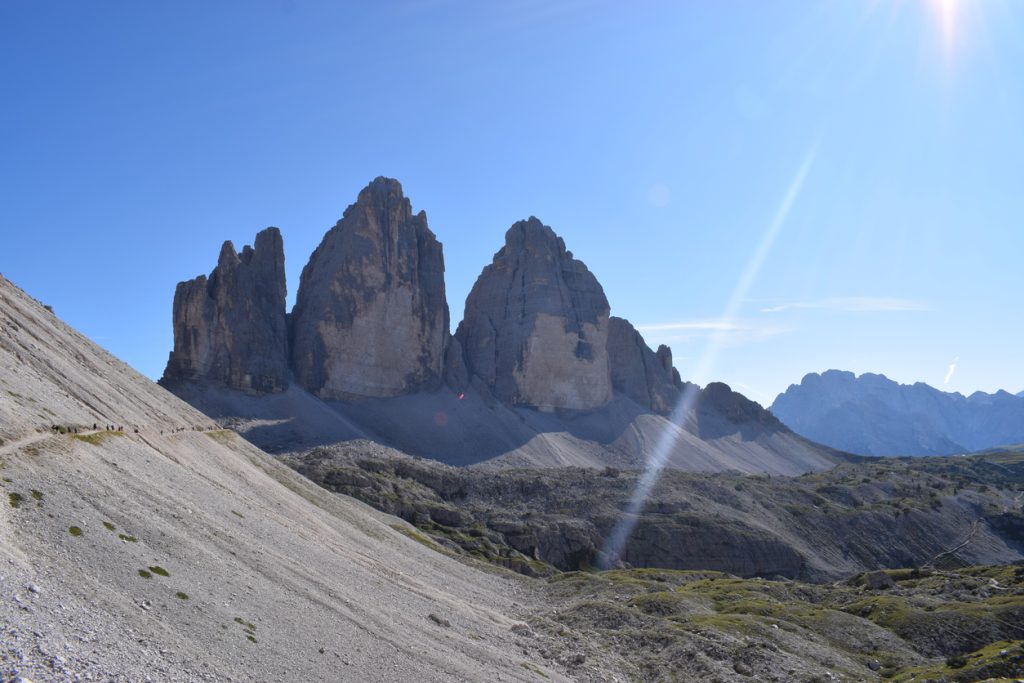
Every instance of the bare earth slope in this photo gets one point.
(184, 553)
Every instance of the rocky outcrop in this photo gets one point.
(639, 373)
(536, 325)
(664, 355)
(720, 411)
(230, 329)
(820, 528)
(371, 318)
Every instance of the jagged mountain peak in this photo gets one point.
(371, 316)
(535, 329)
(230, 328)
(873, 415)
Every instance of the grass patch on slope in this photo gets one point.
(418, 537)
(223, 436)
(96, 438)
(957, 626)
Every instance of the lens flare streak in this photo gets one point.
(658, 458)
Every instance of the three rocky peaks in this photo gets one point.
(371, 319)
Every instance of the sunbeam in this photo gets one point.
(657, 459)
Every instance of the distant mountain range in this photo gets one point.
(873, 415)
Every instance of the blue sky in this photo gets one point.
(794, 185)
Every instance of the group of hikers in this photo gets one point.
(75, 429)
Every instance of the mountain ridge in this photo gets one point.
(870, 414)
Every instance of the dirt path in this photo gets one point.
(12, 446)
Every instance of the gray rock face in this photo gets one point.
(536, 325)
(639, 373)
(371, 318)
(230, 329)
(873, 415)
(664, 355)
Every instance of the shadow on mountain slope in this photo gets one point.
(725, 431)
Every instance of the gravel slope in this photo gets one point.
(284, 581)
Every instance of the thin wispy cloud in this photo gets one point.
(726, 333)
(952, 369)
(853, 304)
(694, 325)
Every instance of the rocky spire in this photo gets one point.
(536, 325)
(230, 329)
(639, 373)
(371, 318)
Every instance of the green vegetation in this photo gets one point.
(129, 539)
(37, 495)
(224, 436)
(1003, 660)
(110, 526)
(160, 571)
(97, 438)
(248, 627)
(15, 499)
(418, 537)
(75, 531)
(144, 574)
(533, 669)
(181, 595)
(961, 625)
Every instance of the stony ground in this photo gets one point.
(901, 625)
(180, 552)
(817, 527)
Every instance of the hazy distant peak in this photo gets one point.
(874, 415)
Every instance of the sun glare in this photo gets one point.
(946, 11)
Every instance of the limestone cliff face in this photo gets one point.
(371, 318)
(230, 329)
(643, 375)
(536, 325)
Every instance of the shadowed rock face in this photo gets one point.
(371, 318)
(536, 325)
(639, 373)
(231, 329)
